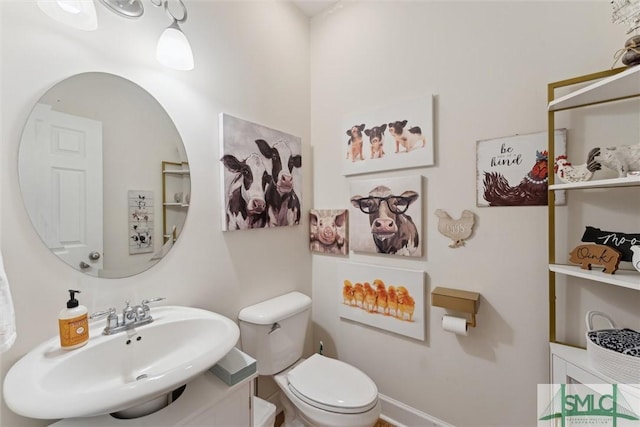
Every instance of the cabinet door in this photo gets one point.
(232, 411)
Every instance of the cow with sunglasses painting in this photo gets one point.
(393, 231)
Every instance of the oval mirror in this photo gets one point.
(104, 175)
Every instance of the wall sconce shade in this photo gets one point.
(174, 50)
(80, 14)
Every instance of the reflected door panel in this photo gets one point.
(67, 197)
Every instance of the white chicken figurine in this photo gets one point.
(456, 229)
(568, 173)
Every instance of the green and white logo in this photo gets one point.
(587, 405)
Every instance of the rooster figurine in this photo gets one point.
(532, 189)
(568, 173)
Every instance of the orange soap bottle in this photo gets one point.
(73, 322)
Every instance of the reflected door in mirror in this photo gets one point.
(67, 195)
(90, 140)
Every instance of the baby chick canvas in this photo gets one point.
(387, 298)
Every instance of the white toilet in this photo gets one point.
(318, 391)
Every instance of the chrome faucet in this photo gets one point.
(132, 317)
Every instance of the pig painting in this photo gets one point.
(587, 255)
(328, 231)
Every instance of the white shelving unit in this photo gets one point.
(175, 179)
(603, 87)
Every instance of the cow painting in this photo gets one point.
(283, 205)
(262, 175)
(246, 205)
(386, 215)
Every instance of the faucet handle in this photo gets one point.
(103, 313)
(145, 304)
(150, 300)
(112, 317)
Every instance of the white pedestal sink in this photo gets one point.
(115, 372)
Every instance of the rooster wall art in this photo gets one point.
(532, 189)
(514, 170)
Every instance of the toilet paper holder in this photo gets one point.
(457, 300)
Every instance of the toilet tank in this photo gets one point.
(273, 331)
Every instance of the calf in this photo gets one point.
(283, 205)
(376, 138)
(392, 230)
(328, 231)
(355, 142)
(408, 138)
(246, 204)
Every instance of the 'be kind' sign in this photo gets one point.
(514, 170)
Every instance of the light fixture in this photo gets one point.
(174, 50)
(80, 14)
(126, 8)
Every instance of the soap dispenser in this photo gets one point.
(73, 322)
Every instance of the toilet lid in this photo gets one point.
(332, 385)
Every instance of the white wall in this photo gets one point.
(488, 64)
(252, 62)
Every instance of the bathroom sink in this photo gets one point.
(115, 372)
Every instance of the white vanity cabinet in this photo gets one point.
(213, 403)
(206, 401)
(569, 363)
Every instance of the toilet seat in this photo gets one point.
(332, 385)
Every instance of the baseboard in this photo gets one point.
(401, 415)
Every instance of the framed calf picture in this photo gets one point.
(391, 299)
(394, 136)
(261, 175)
(386, 216)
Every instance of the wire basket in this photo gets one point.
(613, 352)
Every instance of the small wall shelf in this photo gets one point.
(457, 300)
